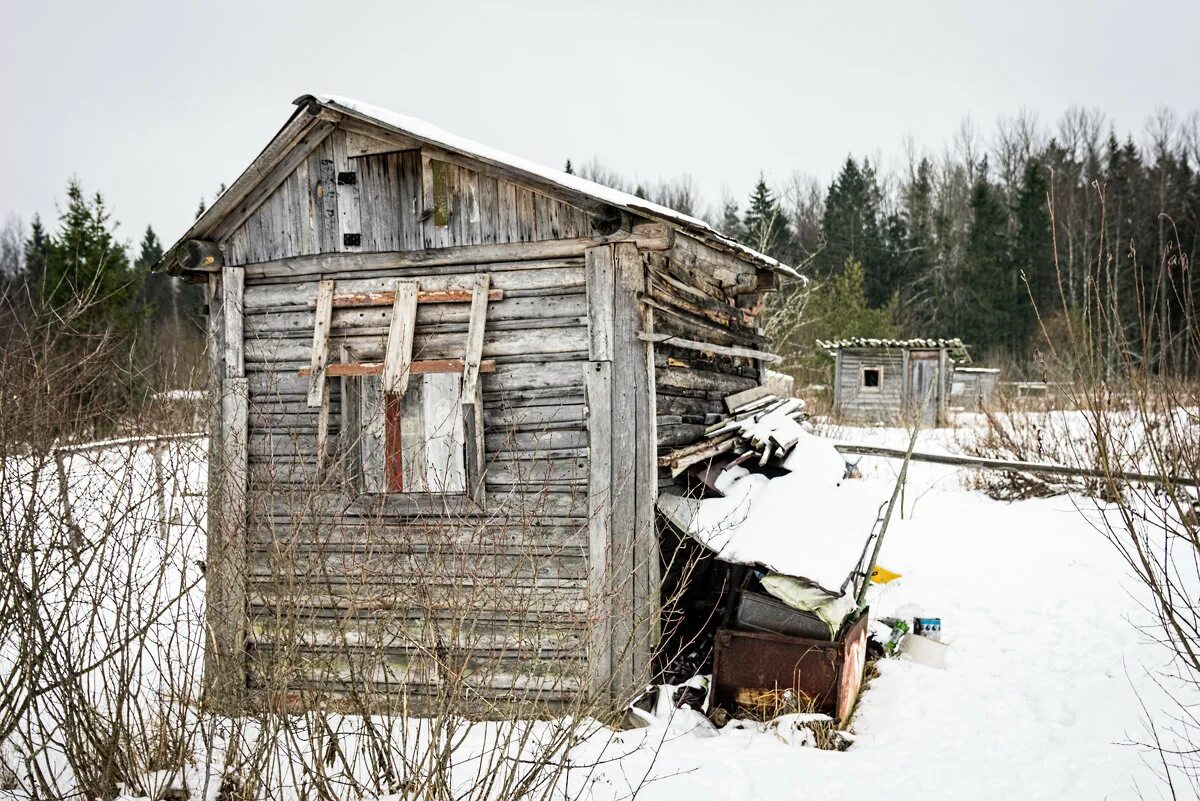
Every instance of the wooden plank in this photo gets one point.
(626, 350)
(360, 144)
(430, 257)
(398, 354)
(320, 345)
(225, 570)
(633, 360)
(233, 289)
(708, 347)
(475, 329)
(598, 265)
(373, 439)
(358, 369)
(739, 399)
(350, 431)
(346, 181)
(598, 380)
(356, 300)
(323, 434)
(472, 407)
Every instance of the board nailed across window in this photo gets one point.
(414, 443)
(409, 427)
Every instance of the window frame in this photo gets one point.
(862, 378)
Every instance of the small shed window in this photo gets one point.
(872, 378)
(414, 443)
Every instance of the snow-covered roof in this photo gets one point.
(431, 134)
(956, 347)
(419, 129)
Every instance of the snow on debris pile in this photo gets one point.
(809, 522)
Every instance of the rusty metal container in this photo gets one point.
(751, 664)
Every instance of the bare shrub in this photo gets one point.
(438, 657)
(1125, 368)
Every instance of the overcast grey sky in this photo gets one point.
(155, 104)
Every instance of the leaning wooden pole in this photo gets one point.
(887, 517)
(1010, 467)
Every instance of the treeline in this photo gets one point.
(999, 240)
(74, 290)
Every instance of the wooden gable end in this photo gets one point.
(346, 197)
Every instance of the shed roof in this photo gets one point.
(957, 349)
(423, 132)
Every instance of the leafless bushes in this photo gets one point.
(441, 658)
(1125, 374)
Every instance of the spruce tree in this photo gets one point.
(854, 231)
(86, 268)
(987, 322)
(159, 291)
(37, 251)
(765, 226)
(1032, 256)
(731, 221)
(920, 294)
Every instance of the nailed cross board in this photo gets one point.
(397, 363)
(354, 369)
(354, 300)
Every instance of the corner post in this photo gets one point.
(225, 575)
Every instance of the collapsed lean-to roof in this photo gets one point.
(575, 189)
(958, 351)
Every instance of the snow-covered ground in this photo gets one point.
(1045, 680)
(1048, 678)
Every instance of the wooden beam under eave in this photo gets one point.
(199, 255)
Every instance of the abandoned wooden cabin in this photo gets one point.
(888, 380)
(409, 328)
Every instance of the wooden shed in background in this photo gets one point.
(409, 327)
(886, 380)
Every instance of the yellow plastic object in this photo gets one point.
(881, 575)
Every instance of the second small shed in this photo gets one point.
(884, 380)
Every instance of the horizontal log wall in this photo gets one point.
(699, 294)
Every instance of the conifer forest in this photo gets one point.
(1001, 237)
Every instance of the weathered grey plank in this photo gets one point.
(398, 354)
(349, 217)
(233, 288)
(320, 344)
(598, 379)
(599, 267)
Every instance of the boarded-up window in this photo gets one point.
(414, 443)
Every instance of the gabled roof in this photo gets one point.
(958, 351)
(538, 176)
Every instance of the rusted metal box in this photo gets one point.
(830, 672)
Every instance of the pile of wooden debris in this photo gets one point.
(758, 432)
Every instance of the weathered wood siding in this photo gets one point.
(344, 590)
(854, 403)
(320, 560)
(394, 201)
(701, 295)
